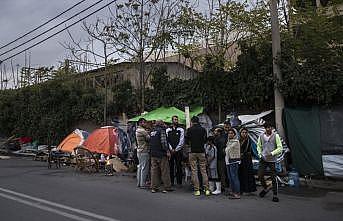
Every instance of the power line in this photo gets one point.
(38, 27)
(56, 33)
(37, 36)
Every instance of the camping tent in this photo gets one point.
(103, 140)
(76, 138)
(166, 113)
(254, 124)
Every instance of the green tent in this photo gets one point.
(166, 113)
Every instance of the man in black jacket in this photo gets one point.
(175, 137)
(159, 158)
(196, 136)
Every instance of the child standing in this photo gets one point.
(108, 167)
(211, 156)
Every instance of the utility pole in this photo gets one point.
(105, 79)
(17, 75)
(276, 48)
(141, 59)
(1, 80)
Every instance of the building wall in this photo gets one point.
(127, 71)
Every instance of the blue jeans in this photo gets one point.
(232, 173)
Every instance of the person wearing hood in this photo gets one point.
(246, 171)
(220, 140)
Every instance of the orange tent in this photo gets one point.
(76, 138)
(103, 140)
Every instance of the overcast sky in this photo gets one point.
(17, 17)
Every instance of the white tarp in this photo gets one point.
(250, 118)
(205, 122)
(333, 165)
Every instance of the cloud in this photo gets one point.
(18, 17)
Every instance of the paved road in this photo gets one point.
(30, 191)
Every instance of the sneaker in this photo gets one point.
(197, 193)
(207, 193)
(216, 192)
(164, 191)
(275, 199)
(235, 196)
(144, 187)
(263, 193)
(153, 191)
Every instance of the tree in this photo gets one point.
(220, 28)
(96, 50)
(312, 66)
(48, 111)
(98, 34)
(141, 30)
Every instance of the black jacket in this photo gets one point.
(220, 142)
(196, 136)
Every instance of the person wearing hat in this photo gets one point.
(196, 137)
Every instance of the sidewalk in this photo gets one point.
(326, 184)
(4, 157)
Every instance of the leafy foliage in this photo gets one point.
(124, 99)
(48, 111)
(312, 60)
(171, 92)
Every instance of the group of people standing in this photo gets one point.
(223, 162)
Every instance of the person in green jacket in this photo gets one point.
(269, 147)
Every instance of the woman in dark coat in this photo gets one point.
(220, 140)
(246, 173)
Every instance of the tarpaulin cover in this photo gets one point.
(303, 132)
(254, 124)
(76, 138)
(166, 113)
(333, 165)
(331, 140)
(103, 140)
(331, 130)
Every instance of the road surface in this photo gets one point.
(31, 191)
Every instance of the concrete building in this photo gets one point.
(129, 71)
